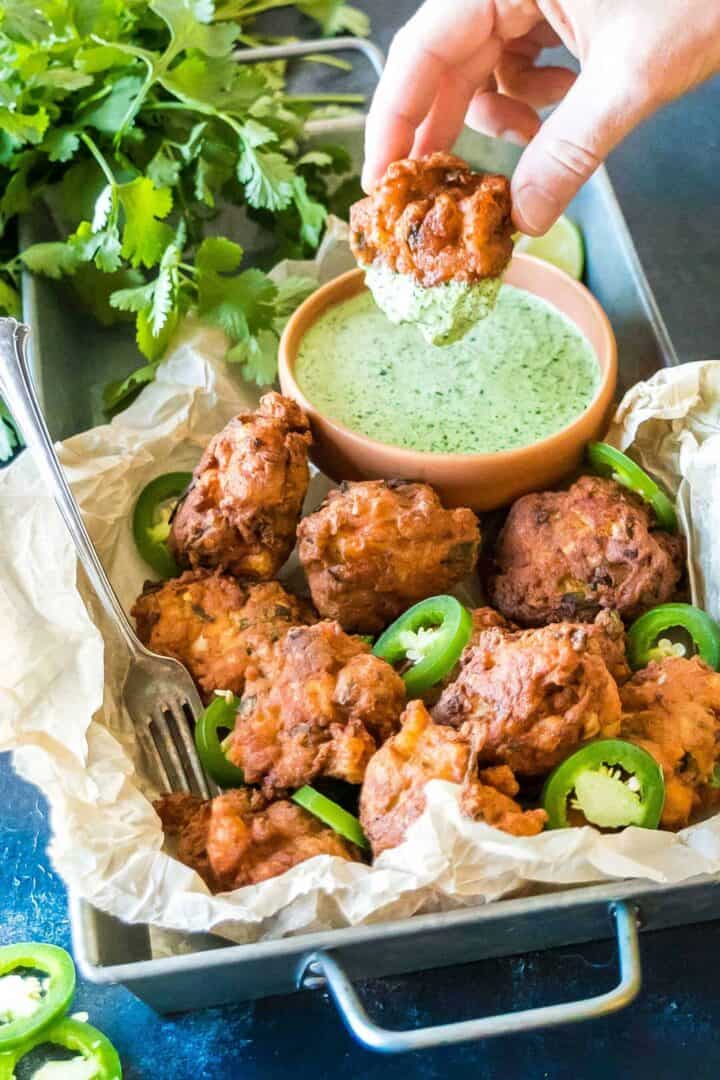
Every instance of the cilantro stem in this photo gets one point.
(188, 268)
(107, 172)
(338, 99)
(235, 10)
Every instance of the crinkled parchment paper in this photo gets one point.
(61, 669)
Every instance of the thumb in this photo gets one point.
(574, 140)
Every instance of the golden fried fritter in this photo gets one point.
(491, 798)
(376, 547)
(322, 708)
(217, 627)
(483, 618)
(247, 492)
(567, 554)
(528, 698)
(240, 838)
(435, 219)
(672, 710)
(393, 793)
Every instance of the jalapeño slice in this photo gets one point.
(151, 520)
(430, 637)
(613, 783)
(608, 461)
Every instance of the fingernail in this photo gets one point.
(514, 137)
(534, 211)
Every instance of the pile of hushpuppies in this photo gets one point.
(544, 671)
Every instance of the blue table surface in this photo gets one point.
(666, 178)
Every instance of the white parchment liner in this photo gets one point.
(61, 669)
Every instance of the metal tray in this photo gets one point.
(72, 360)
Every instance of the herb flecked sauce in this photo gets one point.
(520, 375)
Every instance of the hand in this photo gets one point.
(474, 61)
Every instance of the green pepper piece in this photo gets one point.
(84, 1039)
(220, 713)
(432, 635)
(591, 780)
(608, 461)
(60, 970)
(644, 634)
(331, 814)
(151, 520)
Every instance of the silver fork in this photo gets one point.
(158, 693)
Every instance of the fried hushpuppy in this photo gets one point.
(376, 547)
(239, 838)
(435, 219)
(568, 554)
(672, 709)
(321, 709)
(216, 626)
(393, 792)
(528, 698)
(244, 503)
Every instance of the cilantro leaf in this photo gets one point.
(152, 345)
(135, 299)
(134, 122)
(93, 289)
(9, 299)
(164, 169)
(102, 247)
(108, 115)
(145, 237)
(61, 144)
(122, 391)
(22, 21)
(54, 259)
(312, 214)
(188, 22)
(218, 254)
(336, 17)
(291, 293)
(25, 127)
(96, 17)
(238, 305)
(258, 357)
(267, 177)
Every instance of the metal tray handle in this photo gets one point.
(374, 1037)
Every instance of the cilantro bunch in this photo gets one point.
(136, 124)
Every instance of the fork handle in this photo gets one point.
(16, 387)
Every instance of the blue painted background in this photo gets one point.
(666, 177)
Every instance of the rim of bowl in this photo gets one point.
(608, 379)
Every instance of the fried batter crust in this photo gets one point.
(435, 219)
(567, 554)
(240, 838)
(376, 547)
(246, 496)
(322, 708)
(393, 793)
(217, 627)
(528, 698)
(672, 709)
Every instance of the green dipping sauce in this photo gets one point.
(519, 375)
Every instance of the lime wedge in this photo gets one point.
(562, 245)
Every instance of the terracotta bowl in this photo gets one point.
(481, 481)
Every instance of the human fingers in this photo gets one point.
(518, 77)
(502, 117)
(439, 39)
(569, 146)
(444, 122)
